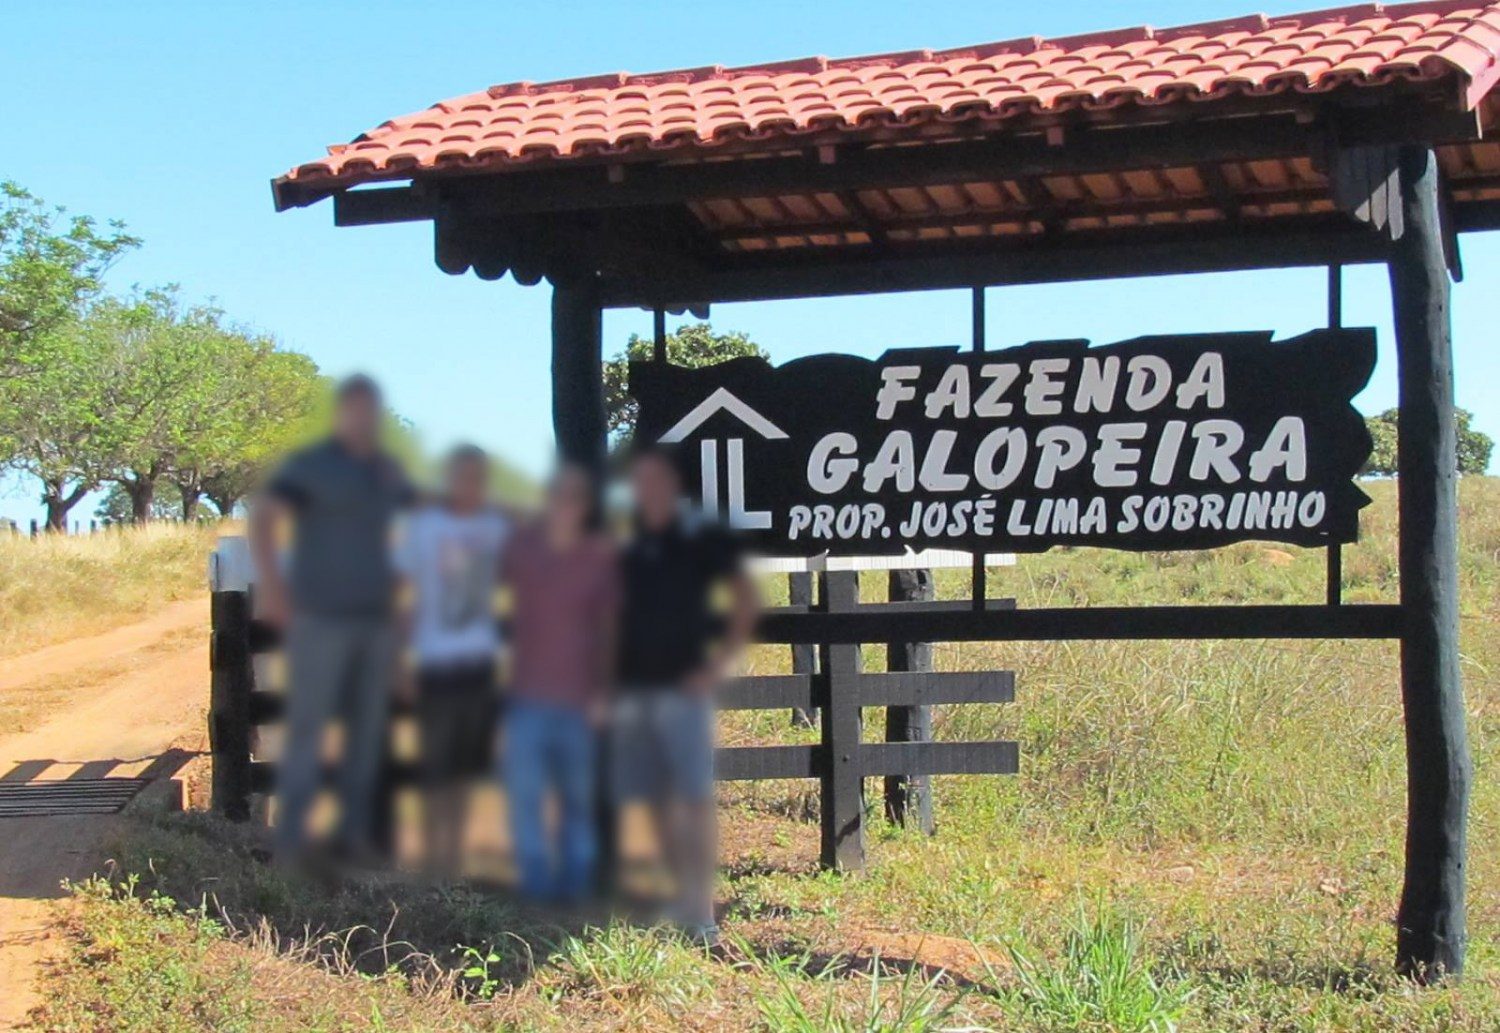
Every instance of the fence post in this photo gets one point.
(804, 654)
(908, 798)
(232, 678)
(843, 809)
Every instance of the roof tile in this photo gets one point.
(704, 107)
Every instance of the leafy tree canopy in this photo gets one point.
(694, 345)
(1474, 447)
(51, 266)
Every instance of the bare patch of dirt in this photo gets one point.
(126, 703)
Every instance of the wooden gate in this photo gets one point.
(838, 690)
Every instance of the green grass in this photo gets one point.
(796, 1002)
(1230, 815)
(1101, 981)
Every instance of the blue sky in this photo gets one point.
(175, 116)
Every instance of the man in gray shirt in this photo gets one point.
(335, 604)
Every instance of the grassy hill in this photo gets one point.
(58, 587)
(1204, 836)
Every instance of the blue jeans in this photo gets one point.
(550, 748)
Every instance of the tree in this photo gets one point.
(166, 380)
(51, 266)
(62, 426)
(1382, 461)
(1474, 447)
(266, 401)
(693, 346)
(117, 507)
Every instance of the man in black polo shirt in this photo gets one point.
(335, 602)
(675, 649)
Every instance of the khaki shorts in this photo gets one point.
(661, 746)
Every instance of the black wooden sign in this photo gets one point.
(1170, 442)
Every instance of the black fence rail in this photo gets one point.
(828, 688)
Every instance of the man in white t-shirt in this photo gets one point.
(449, 555)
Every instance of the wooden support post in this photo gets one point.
(1335, 572)
(578, 421)
(843, 805)
(977, 571)
(804, 654)
(231, 678)
(659, 334)
(1431, 934)
(908, 798)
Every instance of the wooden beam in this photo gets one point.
(1231, 202)
(1055, 215)
(941, 758)
(766, 692)
(378, 206)
(917, 688)
(1475, 216)
(1164, 142)
(1363, 182)
(745, 763)
(1150, 251)
(864, 219)
(1090, 623)
(1431, 931)
(1040, 202)
(933, 164)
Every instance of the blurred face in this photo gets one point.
(356, 421)
(569, 499)
(657, 490)
(467, 481)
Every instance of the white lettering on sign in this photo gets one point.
(1158, 442)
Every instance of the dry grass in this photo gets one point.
(59, 587)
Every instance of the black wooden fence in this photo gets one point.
(837, 691)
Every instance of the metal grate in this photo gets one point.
(67, 796)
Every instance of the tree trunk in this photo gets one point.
(224, 501)
(190, 488)
(142, 490)
(58, 501)
(57, 514)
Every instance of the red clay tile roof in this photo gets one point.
(703, 108)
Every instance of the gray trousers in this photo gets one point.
(338, 668)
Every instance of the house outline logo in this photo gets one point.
(723, 400)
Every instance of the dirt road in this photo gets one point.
(126, 703)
